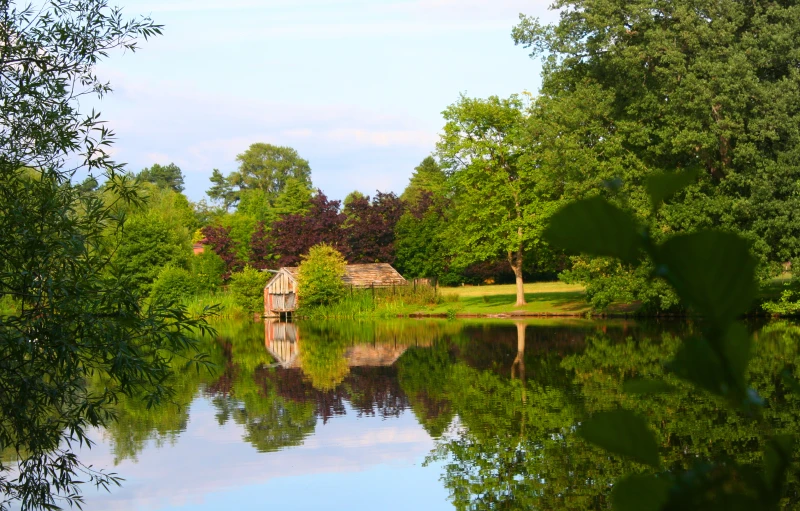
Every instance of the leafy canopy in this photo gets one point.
(706, 87)
(265, 167)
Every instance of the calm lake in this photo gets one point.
(422, 414)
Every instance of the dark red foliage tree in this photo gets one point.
(261, 249)
(294, 234)
(219, 238)
(369, 228)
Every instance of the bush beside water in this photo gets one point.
(320, 275)
(173, 284)
(247, 288)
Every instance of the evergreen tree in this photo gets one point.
(163, 176)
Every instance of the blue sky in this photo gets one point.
(356, 87)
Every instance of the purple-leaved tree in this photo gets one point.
(293, 235)
(369, 228)
(219, 238)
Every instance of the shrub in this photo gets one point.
(320, 276)
(172, 285)
(247, 287)
(149, 244)
(207, 271)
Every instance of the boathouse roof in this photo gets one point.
(356, 275)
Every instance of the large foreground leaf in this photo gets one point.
(622, 432)
(662, 186)
(597, 227)
(717, 366)
(640, 492)
(712, 271)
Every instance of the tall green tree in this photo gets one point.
(272, 182)
(269, 167)
(704, 86)
(163, 176)
(221, 190)
(428, 177)
(294, 199)
(499, 204)
(265, 167)
(74, 319)
(420, 245)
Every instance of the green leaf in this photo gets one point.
(597, 227)
(722, 370)
(622, 432)
(640, 492)
(639, 386)
(712, 271)
(697, 363)
(737, 348)
(662, 186)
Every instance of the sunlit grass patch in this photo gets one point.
(542, 298)
(511, 289)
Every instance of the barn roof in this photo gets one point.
(378, 274)
(361, 275)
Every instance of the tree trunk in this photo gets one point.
(516, 265)
(520, 286)
(515, 258)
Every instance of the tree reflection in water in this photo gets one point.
(502, 399)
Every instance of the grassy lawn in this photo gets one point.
(542, 298)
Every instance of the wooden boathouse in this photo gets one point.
(280, 293)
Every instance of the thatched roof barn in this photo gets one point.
(280, 293)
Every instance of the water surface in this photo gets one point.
(421, 414)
